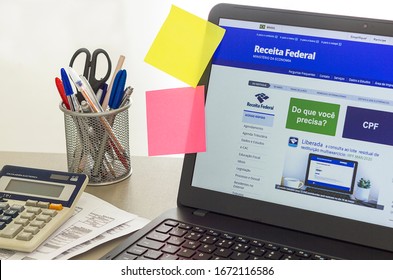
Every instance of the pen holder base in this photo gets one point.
(97, 144)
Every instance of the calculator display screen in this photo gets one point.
(34, 188)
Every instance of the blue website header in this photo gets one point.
(307, 56)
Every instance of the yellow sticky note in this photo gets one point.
(184, 46)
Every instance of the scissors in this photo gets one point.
(91, 65)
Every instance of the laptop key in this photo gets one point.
(185, 226)
(175, 240)
(272, 247)
(239, 256)
(126, 256)
(287, 251)
(256, 251)
(152, 254)
(273, 255)
(168, 257)
(186, 253)
(193, 236)
(225, 243)
(241, 247)
(303, 254)
(290, 257)
(213, 233)
(209, 239)
(150, 244)
(228, 236)
(136, 250)
(257, 243)
(222, 252)
(171, 223)
(171, 249)
(158, 236)
(201, 256)
(319, 257)
(190, 244)
(164, 228)
(207, 248)
(199, 229)
(178, 232)
(241, 239)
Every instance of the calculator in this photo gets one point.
(34, 203)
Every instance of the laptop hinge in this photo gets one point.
(200, 212)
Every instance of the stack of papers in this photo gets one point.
(94, 222)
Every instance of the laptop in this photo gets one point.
(327, 177)
(293, 97)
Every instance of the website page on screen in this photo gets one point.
(290, 110)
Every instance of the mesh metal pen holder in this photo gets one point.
(98, 144)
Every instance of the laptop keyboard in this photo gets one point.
(173, 240)
(322, 193)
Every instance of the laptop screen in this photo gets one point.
(278, 93)
(330, 174)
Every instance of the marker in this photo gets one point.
(60, 89)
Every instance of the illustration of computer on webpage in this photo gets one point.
(330, 177)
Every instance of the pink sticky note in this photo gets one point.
(176, 121)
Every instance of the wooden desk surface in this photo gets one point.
(148, 192)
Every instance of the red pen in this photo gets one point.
(60, 88)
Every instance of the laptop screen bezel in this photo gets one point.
(274, 214)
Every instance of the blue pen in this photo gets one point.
(104, 91)
(69, 91)
(118, 89)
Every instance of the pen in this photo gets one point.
(104, 91)
(100, 92)
(69, 91)
(60, 89)
(126, 96)
(87, 93)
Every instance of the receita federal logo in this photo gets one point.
(261, 98)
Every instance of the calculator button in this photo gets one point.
(45, 218)
(33, 230)
(56, 206)
(5, 219)
(2, 225)
(43, 204)
(25, 236)
(18, 207)
(21, 221)
(27, 215)
(39, 224)
(34, 210)
(4, 205)
(11, 231)
(31, 202)
(11, 213)
(49, 212)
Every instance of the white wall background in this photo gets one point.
(38, 37)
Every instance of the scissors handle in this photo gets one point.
(96, 84)
(87, 61)
(91, 66)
